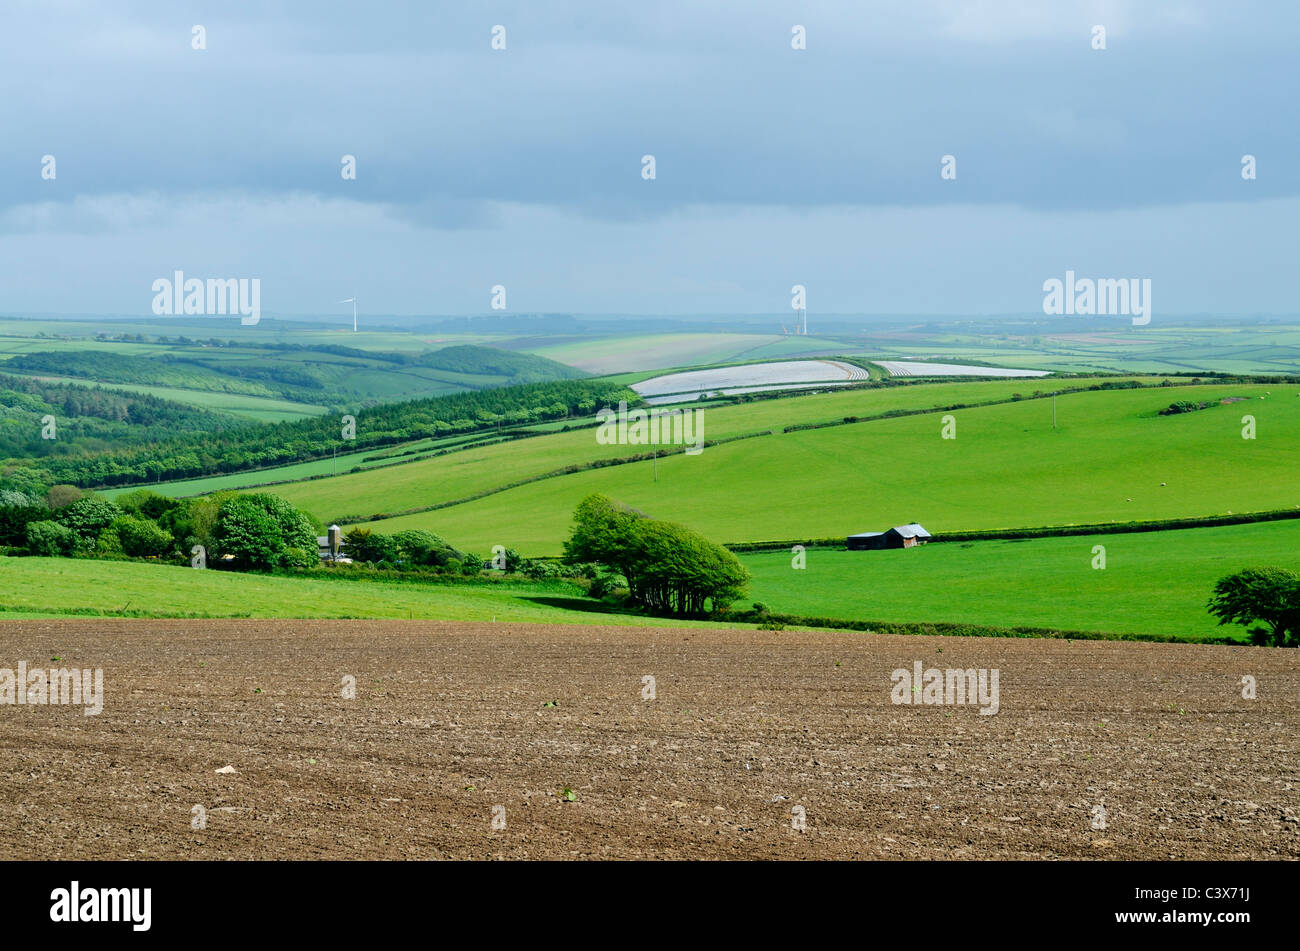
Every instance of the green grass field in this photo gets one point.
(53, 587)
(1153, 582)
(1007, 468)
(462, 474)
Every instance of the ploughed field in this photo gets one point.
(452, 719)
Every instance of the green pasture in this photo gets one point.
(1152, 582)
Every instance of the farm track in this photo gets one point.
(449, 721)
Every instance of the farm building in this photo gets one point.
(330, 547)
(902, 536)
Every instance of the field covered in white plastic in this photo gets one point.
(750, 378)
(913, 368)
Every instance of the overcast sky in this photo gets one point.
(774, 166)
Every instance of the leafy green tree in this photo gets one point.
(361, 544)
(263, 531)
(1269, 596)
(669, 568)
(13, 498)
(29, 480)
(51, 539)
(88, 517)
(425, 548)
(61, 495)
(142, 538)
(146, 504)
(17, 511)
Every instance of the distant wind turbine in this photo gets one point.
(353, 302)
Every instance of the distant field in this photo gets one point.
(1255, 349)
(1153, 582)
(911, 368)
(662, 351)
(1007, 468)
(52, 587)
(280, 373)
(260, 408)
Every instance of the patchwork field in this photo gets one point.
(545, 728)
(1112, 458)
(465, 473)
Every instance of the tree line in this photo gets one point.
(156, 440)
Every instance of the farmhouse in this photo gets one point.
(902, 536)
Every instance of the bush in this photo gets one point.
(51, 539)
(14, 520)
(146, 504)
(425, 548)
(361, 544)
(142, 538)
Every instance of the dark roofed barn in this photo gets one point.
(902, 536)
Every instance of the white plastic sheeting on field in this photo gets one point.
(910, 368)
(752, 378)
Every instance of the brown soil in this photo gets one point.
(449, 720)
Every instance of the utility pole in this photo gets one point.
(1053, 410)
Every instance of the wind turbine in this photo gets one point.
(353, 302)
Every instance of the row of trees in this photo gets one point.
(257, 531)
(668, 568)
(183, 443)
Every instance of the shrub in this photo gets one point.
(361, 544)
(14, 520)
(142, 538)
(51, 539)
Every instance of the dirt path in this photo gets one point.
(449, 720)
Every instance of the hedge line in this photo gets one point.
(946, 629)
